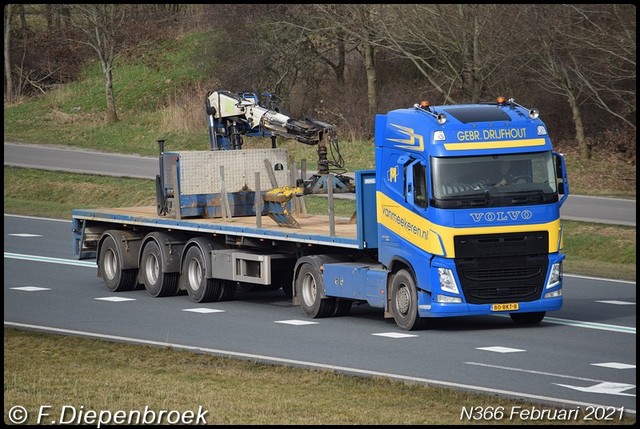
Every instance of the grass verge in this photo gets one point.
(104, 376)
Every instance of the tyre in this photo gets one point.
(528, 318)
(309, 288)
(342, 308)
(404, 302)
(283, 278)
(199, 288)
(227, 290)
(156, 282)
(110, 268)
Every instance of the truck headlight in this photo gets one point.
(556, 275)
(447, 281)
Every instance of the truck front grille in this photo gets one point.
(502, 268)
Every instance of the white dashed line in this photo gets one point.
(395, 335)
(203, 310)
(31, 288)
(296, 322)
(614, 365)
(500, 349)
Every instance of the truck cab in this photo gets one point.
(468, 204)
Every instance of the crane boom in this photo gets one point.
(231, 116)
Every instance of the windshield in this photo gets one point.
(505, 180)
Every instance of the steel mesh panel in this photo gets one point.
(200, 170)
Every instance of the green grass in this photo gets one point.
(99, 375)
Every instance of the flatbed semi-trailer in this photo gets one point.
(461, 216)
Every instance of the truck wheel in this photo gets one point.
(156, 282)
(404, 302)
(308, 288)
(109, 266)
(199, 288)
(528, 318)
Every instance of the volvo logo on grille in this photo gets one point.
(510, 215)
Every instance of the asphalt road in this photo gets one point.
(577, 207)
(581, 357)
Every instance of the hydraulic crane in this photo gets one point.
(230, 116)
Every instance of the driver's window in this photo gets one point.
(420, 184)
(416, 184)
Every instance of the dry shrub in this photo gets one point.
(185, 112)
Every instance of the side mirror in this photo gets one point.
(561, 175)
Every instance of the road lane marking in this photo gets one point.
(530, 371)
(614, 365)
(61, 261)
(500, 349)
(114, 299)
(617, 302)
(296, 322)
(31, 288)
(395, 335)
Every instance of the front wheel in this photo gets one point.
(404, 302)
(528, 318)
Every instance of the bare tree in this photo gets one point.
(460, 49)
(102, 26)
(607, 66)
(584, 59)
(356, 24)
(8, 80)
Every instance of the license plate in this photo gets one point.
(504, 307)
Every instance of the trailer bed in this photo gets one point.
(314, 229)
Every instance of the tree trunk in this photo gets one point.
(8, 87)
(372, 92)
(585, 150)
(112, 115)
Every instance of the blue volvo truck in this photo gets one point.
(460, 217)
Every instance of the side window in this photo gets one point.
(416, 184)
(420, 184)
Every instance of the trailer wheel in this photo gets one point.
(283, 279)
(115, 278)
(342, 308)
(528, 318)
(308, 287)
(227, 290)
(199, 288)
(156, 282)
(404, 302)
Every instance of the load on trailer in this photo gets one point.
(461, 216)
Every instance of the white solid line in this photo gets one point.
(551, 374)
